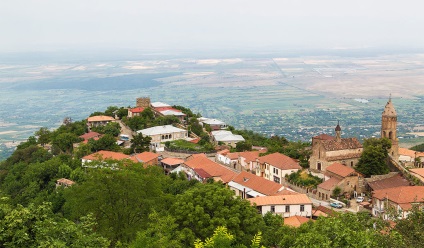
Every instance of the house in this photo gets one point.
(147, 158)
(418, 173)
(104, 155)
(161, 134)
(396, 201)
(391, 180)
(90, 135)
(224, 158)
(284, 205)
(163, 109)
(248, 185)
(213, 123)
(135, 111)
(99, 120)
(342, 176)
(209, 169)
(276, 166)
(248, 161)
(170, 164)
(296, 221)
(327, 150)
(409, 157)
(63, 182)
(226, 137)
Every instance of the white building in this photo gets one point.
(284, 205)
(213, 123)
(226, 137)
(161, 134)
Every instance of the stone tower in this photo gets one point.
(143, 102)
(388, 128)
(338, 132)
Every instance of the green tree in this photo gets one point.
(106, 142)
(201, 209)
(64, 142)
(140, 143)
(243, 146)
(412, 227)
(373, 160)
(222, 238)
(120, 200)
(44, 136)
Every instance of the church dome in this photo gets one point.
(389, 110)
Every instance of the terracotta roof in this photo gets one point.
(86, 140)
(389, 109)
(65, 181)
(249, 156)
(391, 182)
(280, 161)
(223, 152)
(100, 118)
(295, 221)
(160, 109)
(172, 161)
(257, 183)
(343, 144)
(137, 110)
(410, 153)
(403, 196)
(102, 155)
(329, 184)
(342, 157)
(202, 173)
(339, 169)
(418, 171)
(286, 192)
(89, 135)
(324, 137)
(325, 210)
(144, 157)
(212, 168)
(196, 155)
(233, 155)
(319, 213)
(280, 200)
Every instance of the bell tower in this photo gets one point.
(388, 128)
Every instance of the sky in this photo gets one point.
(43, 25)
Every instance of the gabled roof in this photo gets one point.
(202, 173)
(391, 182)
(339, 169)
(172, 161)
(280, 161)
(89, 135)
(403, 196)
(225, 136)
(100, 118)
(136, 110)
(232, 155)
(257, 183)
(249, 156)
(330, 184)
(286, 192)
(223, 152)
(296, 221)
(210, 167)
(410, 153)
(102, 155)
(144, 157)
(160, 130)
(343, 144)
(211, 121)
(172, 112)
(299, 199)
(324, 137)
(159, 104)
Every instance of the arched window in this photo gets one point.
(390, 135)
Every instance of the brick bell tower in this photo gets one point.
(388, 128)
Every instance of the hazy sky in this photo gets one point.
(31, 25)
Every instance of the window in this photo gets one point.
(276, 179)
(275, 171)
(273, 209)
(302, 208)
(287, 209)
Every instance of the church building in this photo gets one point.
(327, 150)
(388, 128)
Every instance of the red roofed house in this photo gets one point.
(135, 111)
(104, 155)
(410, 157)
(327, 150)
(63, 182)
(170, 164)
(100, 120)
(248, 161)
(296, 221)
(248, 185)
(147, 158)
(344, 177)
(216, 171)
(276, 166)
(398, 200)
(90, 135)
(284, 205)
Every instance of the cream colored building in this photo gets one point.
(162, 134)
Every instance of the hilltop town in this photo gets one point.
(299, 182)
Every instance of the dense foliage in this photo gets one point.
(373, 159)
(304, 179)
(418, 148)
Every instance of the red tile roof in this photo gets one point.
(324, 137)
(223, 152)
(329, 184)
(233, 155)
(391, 182)
(202, 173)
(410, 153)
(257, 183)
(102, 155)
(100, 118)
(90, 135)
(210, 167)
(343, 144)
(144, 157)
(341, 170)
(296, 221)
(403, 196)
(280, 200)
(249, 156)
(286, 192)
(137, 110)
(160, 109)
(280, 161)
(172, 161)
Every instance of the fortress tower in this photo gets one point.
(388, 128)
(143, 102)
